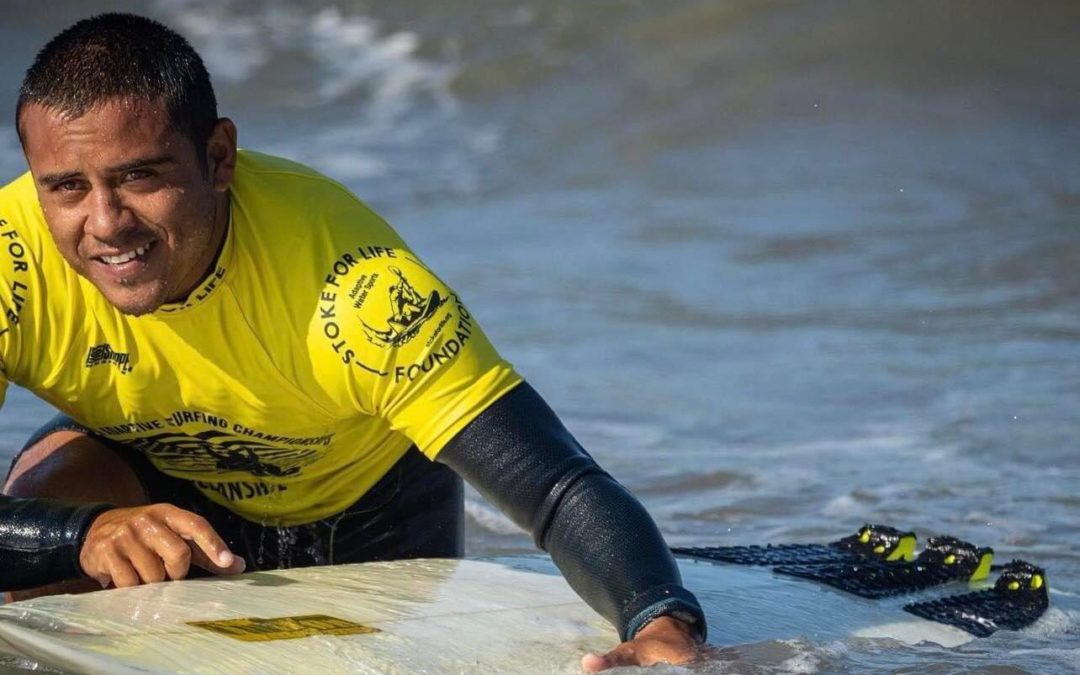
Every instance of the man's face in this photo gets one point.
(127, 199)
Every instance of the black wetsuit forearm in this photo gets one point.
(40, 540)
(522, 459)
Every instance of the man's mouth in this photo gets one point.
(127, 256)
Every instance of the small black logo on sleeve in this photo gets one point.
(411, 310)
(104, 354)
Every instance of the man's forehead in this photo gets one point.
(116, 124)
(120, 111)
(118, 115)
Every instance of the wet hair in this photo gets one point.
(122, 56)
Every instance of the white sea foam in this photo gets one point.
(805, 660)
(489, 518)
(845, 505)
(232, 49)
(394, 113)
(353, 54)
(349, 52)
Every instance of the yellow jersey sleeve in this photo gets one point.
(386, 339)
(21, 283)
(415, 355)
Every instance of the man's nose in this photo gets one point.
(107, 219)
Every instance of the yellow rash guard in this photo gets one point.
(315, 353)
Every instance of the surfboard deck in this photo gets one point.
(425, 616)
(414, 616)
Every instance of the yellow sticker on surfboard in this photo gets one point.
(256, 629)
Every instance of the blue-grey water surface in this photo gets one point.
(782, 267)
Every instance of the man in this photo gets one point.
(247, 358)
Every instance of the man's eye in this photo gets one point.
(136, 174)
(69, 186)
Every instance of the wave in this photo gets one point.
(365, 103)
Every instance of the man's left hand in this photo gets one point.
(663, 640)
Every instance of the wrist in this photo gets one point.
(678, 622)
(78, 528)
(665, 600)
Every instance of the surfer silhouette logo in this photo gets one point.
(222, 453)
(410, 311)
(245, 459)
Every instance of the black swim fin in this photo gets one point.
(1018, 598)
(873, 542)
(945, 559)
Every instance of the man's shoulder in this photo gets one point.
(43, 294)
(22, 182)
(260, 163)
(22, 219)
(19, 195)
(263, 176)
(291, 227)
(282, 196)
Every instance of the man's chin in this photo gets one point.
(133, 301)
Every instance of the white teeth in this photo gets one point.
(125, 257)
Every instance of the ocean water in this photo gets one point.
(783, 268)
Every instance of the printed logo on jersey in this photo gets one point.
(204, 291)
(411, 311)
(103, 354)
(172, 445)
(16, 294)
(209, 452)
(384, 312)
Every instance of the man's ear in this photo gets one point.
(221, 154)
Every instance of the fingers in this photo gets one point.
(146, 563)
(147, 544)
(623, 655)
(208, 550)
(121, 572)
(155, 551)
(626, 655)
(594, 663)
(664, 640)
(176, 556)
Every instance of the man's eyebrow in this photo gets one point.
(141, 163)
(52, 179)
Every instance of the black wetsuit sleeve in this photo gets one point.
(40, 540)
(521, 458)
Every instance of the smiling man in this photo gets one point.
(151, 230)
(248, 359)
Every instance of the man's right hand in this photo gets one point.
(146, 544)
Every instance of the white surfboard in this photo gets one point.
(436, 616)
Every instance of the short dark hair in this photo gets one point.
(111, 56)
